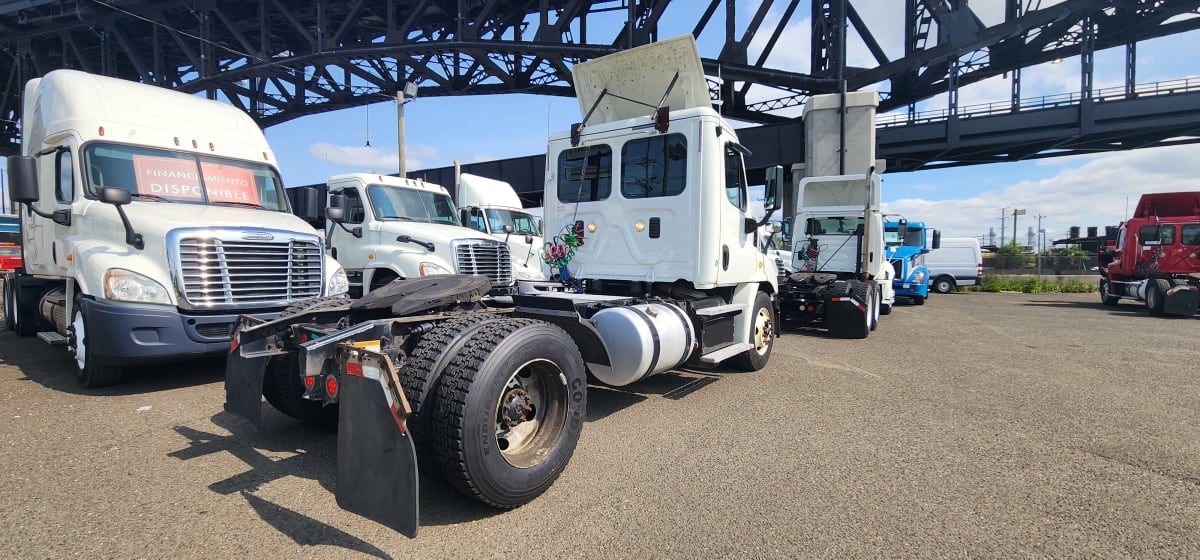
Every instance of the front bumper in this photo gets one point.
(122, 334)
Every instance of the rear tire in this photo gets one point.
(419, 377)
(89, 373)
(762, 335)
(943, 284)
(24, 311)
(284, 390)
(1105, 297)
(509, 411)
(1156, 293)
(8, 305)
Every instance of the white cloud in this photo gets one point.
(364, 158)
(1091, 192)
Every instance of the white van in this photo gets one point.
(958, 262)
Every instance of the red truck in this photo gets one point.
(1156, 259)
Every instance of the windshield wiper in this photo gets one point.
(148, 196)
(242, 204)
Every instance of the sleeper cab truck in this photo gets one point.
(149, 220)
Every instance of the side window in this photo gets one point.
(354, 207)
(64, 186)
(1156, 235)
(1190, 234)
(585, 174)
(735, 178)
(654, 167)
(475, 221)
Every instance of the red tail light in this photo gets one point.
(309, 382)
(331, 386)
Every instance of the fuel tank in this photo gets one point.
(643, 340)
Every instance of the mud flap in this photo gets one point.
(1181, 300)
(376, 460)
(244, 385)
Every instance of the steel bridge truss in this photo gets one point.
(283, 59)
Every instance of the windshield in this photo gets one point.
(399, 203)
(522, 223)
(155, 175)
(912, 238)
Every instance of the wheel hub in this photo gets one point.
(763, 331)
(515, 407)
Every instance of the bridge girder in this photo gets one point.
(283, 59)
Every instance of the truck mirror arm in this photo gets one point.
(60, 217)
(132, 238)
(356, 232)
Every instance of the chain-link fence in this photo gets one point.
(1048, 264)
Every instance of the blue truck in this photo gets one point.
(906, 245)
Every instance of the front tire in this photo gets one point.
(918, 300)
(89, 373)
(509, 411)
(762, 335)
(1105, 295)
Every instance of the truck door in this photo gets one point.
(42, 237)
(739, 255)
(354, 253)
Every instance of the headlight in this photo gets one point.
(433, 269)
(338, 283)
(125, 285)
(530, 274)
(919, 277)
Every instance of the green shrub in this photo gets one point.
(1029, 285)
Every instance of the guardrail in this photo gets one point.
(1102, 95)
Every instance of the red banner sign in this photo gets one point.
(178, 179)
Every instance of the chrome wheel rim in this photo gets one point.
(764, 329)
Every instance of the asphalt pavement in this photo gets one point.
(979, 425)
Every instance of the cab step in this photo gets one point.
(52, 338)
(725, 353)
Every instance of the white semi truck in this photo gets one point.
(150, 220)
(843, 280)
(393, 227)
(493, 207)
(648, 201)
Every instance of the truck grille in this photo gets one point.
(218, 269)
(485, 258)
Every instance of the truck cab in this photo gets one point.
(149, 221)
(1156, 259)
(907, 244)
(392, 227)
(493, 207)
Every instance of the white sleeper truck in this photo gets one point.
(842, 278)
(648, 203)
(493, 207)
(150, 220)
(392, 227)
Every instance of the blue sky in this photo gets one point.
(966, 201)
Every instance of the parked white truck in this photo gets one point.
(843, 279)
(393, 227)
(493, 207)
(149, 220)
(659, 246)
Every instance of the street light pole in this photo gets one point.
(403, 96)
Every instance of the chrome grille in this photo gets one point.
(485, 258)
(246, 268)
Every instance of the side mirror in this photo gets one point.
(786, 227)
(508, 229)
(775, 227)
(771, 190)
(812, 227)
(114, 195)
(902, 230)
(22, 179)
(937, 239)
(662, 119)
(335, 214)
(305, 203)
(337, 201)
(528, 239)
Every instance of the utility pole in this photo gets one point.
(1003, 215)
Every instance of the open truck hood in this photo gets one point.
(643, 74)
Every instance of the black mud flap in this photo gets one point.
(1181, 300)
(244, 385)
(376, 460)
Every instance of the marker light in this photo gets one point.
(639, 225)
(101, 131)
(591, 227)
